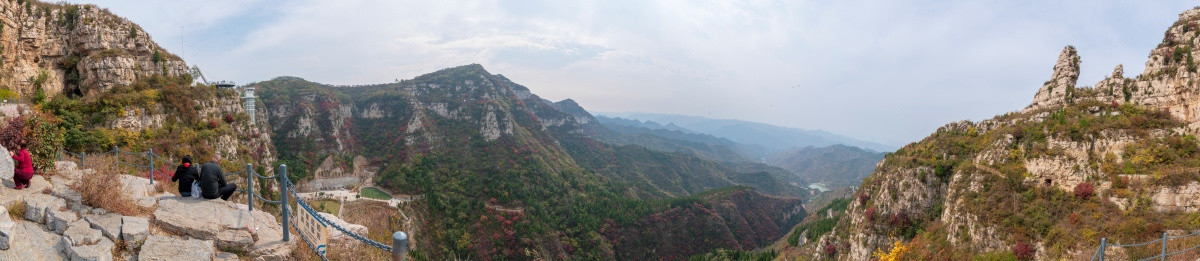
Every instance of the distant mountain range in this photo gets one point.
(765, 138)
(836, 166)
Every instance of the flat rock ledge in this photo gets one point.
(230, 225)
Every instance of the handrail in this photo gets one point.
(399, 247)
(1163, 254)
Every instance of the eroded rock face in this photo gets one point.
(1061, 85)
(76, 48)
(36, 243)
(6, 167)
(108, 224)
(38, 205)
(229, 224)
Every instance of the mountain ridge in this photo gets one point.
(772, 138)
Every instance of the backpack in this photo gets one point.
(196, 189)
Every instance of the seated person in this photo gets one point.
(212, 181)
(185, 174)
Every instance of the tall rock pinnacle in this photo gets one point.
(1062, 82)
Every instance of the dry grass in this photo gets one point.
(17, 210)
(103, 189)
(379, 218)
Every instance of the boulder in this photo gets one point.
(35, 243)
(108, 224)
(80, 233)
(229, 224)
(58, 221)
(36, 206)
(100, 251)
(6, 168)
(170, 248)
(6, 228)
(6, 234)
(134, 231)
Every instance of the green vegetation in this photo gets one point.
(821, 225)
(83, 121)
(375, 193)
(729, 255)
(508, 197)
(327, 206)
(1033, 212)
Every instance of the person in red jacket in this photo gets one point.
(24, 166)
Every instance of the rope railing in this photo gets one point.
(1162, 255)
(1136, 244)
(345, 231)
(1197, 232)
(399, 247)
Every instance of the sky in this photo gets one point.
(883, 71)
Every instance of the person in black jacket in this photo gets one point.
(185, 174)
(212, 181)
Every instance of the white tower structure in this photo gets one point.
(248, 102)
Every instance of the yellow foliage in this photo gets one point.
(898, 251)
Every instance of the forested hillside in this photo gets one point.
(506, 174)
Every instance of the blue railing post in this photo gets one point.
(250, 189)
(399, 246)
(60, 149)
(150, 153)
(1163, 256)
(116, 157)
(82, 160)
(283, 206)
(1103, 245)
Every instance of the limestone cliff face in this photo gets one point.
(64, 48)
(974, 186)
(1168, 82)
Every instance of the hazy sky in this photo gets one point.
(884, 71)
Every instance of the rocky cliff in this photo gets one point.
(1115, 160)
(66, 48)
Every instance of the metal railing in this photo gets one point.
(398, 248)
(1162, 255)
(116, 151)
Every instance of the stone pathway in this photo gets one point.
(57, 226)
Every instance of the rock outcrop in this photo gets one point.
(1095, 156)
(228, 224)
(75, 48)
(1061, 86)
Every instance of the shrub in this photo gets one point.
(17, 209)
(862, 198)
(1023, 251)
(899, 220)
(102, 190)
(830, 249)
(870, 214)
(1084, 190)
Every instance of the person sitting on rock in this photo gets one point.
(185, 174)
(212, 181)
(24, 166)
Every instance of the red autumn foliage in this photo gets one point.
(1084, 190)
(1023, 251)
(899, 220)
